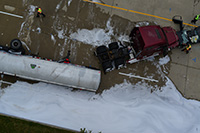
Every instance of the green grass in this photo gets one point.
(13, 125)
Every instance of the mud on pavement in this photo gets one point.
(80, 27)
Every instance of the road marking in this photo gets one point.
(14, 15)
(194, 59)
(133, 76)
(136, 12)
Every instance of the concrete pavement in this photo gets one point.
(185, 71)
(60, 15)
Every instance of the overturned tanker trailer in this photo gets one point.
(37, 69)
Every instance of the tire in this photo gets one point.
(113, 45)
(119, 63)
(16, 44)
(107, 66)
(101, 49)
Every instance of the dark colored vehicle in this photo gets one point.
(189, 36)
(185, 36)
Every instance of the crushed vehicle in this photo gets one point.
(144, 42)
(189, 36)
(14, 62)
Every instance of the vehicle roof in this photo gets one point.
(152, 35)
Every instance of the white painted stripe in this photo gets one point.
(133, 76)
(11, 14)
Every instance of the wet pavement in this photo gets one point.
(66, 20)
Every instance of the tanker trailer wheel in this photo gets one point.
(15, 44)
(107, 66)
(113, 45)
(101, 49)
(119, 63)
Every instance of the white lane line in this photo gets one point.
(133, 76)
(18, 16)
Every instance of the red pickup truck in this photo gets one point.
(144, 42)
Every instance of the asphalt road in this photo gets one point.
(65, 17)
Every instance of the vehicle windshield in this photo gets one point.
(138, 42)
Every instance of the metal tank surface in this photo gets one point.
(70, 75)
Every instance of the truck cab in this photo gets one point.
(150, 41)
(144, 42)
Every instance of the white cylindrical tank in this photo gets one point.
(49, 71)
